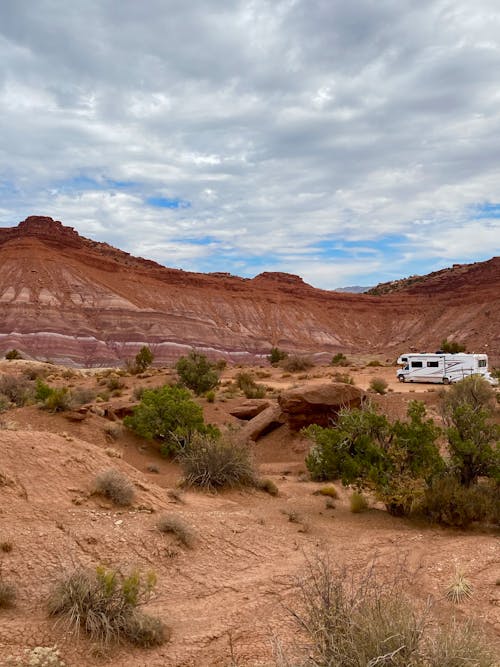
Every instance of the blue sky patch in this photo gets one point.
(168, 202)
(487, 210)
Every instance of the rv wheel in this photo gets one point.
(446, 381)
(401, 378)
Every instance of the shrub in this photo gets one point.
(358, 502)
(448, 502)
(370, 622)
(378, 385)
(171, 523)
(13, 354)
(170, 416)
(394, 460)
(197, 373)
(113, 430)
(216, 464)
(474, 441)
(276, 355)
(40, 656)
(343, 377)
(328, 490)
(114, 383)
(143, 359)
(59, 400)
(451, 347)
(268, 486)
(374, 363)
(5, 403)
(339, 359)
(17, 390)
(115, 486)
(248, 386)
(82, 395)
(295, 363)
(105, 604)
(210, 396)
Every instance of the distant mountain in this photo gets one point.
(354, 289)
(75, 300)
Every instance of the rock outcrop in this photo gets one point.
(77, 301)
(319, 404)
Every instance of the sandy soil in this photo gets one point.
(225, 599)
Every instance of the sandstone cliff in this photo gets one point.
(74, 300)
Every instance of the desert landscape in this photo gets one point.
(226, 590)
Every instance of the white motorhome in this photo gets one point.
(442, 367)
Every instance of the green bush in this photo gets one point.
(143, 359)
(451, 347)
(169, 415)
(13, 354)
(339, 359)
(448, 502)
(276, 355)
(358, 503)
(378, 385)
(197, 373)
(216, 464)
(248, 386)
(394, 460)
(474, 439)
(104, 603)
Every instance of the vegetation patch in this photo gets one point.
(115, 486)
(172, 523)
(105, 604)
(197, 373)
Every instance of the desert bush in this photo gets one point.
(16, 389)
(378, 385)
(370, 621)
(328, 490)
(143, 359)
(345, 378)
(395, 460)
(268, 486)
(115, 486)
(6, 546)
(104, 603)
(13, 354)
(210, 396)
(59, 400)
(295, 363)
(5, 403)
(216, 464)
(339, 359)
(246, 383)
(276, 355)
(448, 502)
(474, 439)
(197, 373)
(113, 430)
(374, 363)
(451, 347)
(170, 416)
(114, 383)
(138, 393)
(171, 523)
(82, 395)
(357, 502)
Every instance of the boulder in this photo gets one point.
(319, 404)
(263, 423)
(249, 409)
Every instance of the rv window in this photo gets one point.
(433, 364)
(416, 364)
(404, 359)
(482, 363)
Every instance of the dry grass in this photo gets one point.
(328, 490)
(104, 604)
(172, 523)
(460, 589)
(358, 503)
(115, 486)
(268, 486)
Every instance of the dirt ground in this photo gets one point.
(226, 598)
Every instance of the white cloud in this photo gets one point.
(284, 124)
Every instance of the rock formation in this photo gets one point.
(77, 301)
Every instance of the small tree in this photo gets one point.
(339, 359)
(474, 440)
(451, 346)
(170, 416)
(143, 359)
(197, 373)
(13, 354)
(276, 355)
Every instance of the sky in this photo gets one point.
(346, 142)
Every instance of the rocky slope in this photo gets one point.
(74, 300)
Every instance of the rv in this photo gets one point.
(442, 367)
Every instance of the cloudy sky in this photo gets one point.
(345, 141)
